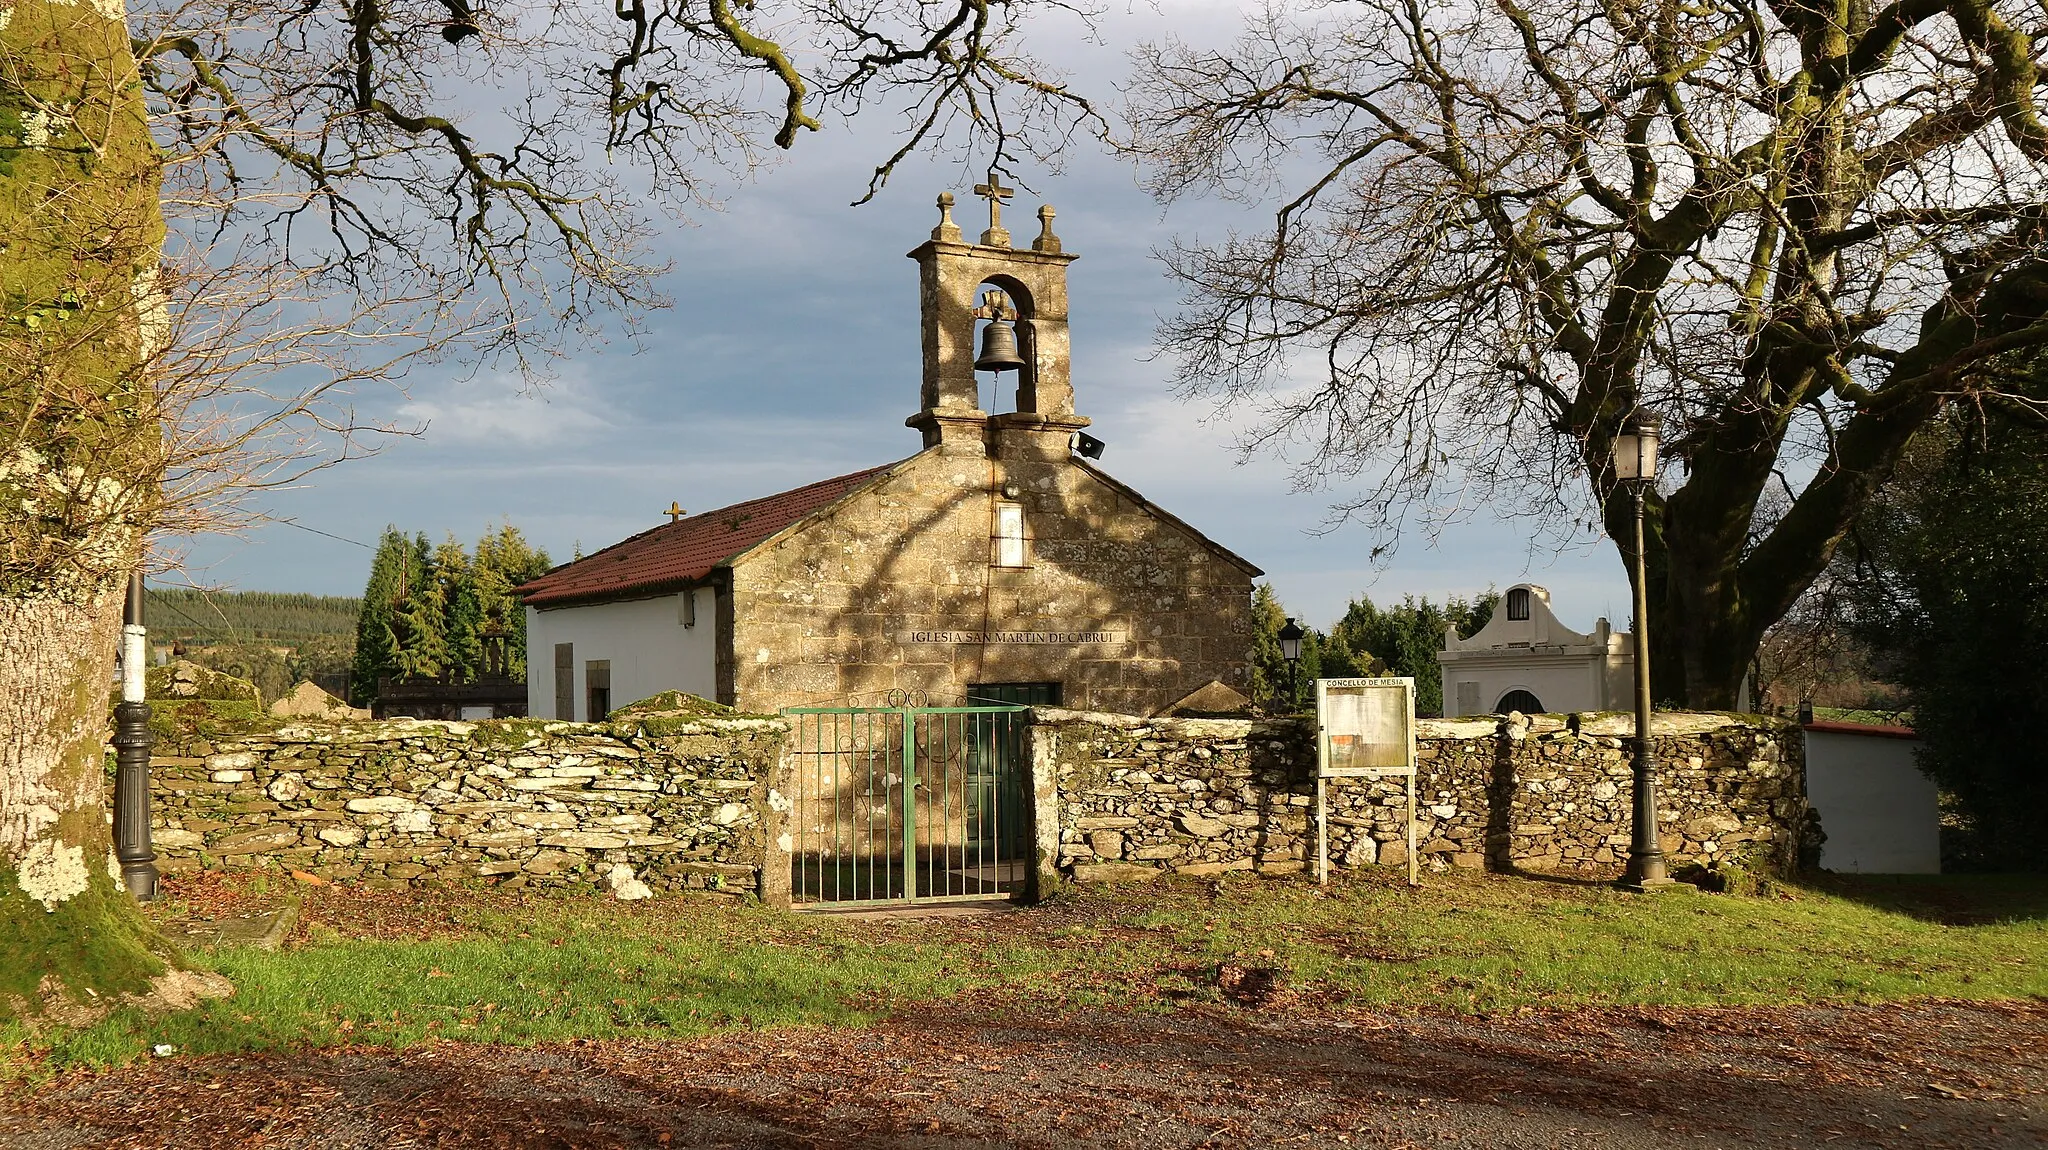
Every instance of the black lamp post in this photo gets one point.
(131, 756)
(1635, 464)
(1290, 650)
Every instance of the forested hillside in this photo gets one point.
(210, 617)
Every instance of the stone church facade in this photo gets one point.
(995, 562)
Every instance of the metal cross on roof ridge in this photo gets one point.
(675, 511)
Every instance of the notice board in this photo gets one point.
(1368, 725)
(1365, 728)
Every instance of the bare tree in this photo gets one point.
(219, 216)
(1795, 230)
(1811, 656)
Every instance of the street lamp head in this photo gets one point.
(1290, 641)
(1635, 449)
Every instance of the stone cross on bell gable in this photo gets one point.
(996, 236)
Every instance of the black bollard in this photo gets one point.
(132, 742)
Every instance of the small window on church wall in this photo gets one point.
(1009, 535)
(1518, 603)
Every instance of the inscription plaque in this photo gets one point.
(1026, 638)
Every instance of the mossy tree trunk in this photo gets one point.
(81, 241)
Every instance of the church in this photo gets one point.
(999, 563)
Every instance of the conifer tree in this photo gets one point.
(426, 608)
(455, 580)
(1404, 640)
(1337, 658)
(422, 623)
(504, 560)
(1269, 668)
(376, 627)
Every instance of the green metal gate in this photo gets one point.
(908, 803)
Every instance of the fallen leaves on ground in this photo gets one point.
(965, 1075)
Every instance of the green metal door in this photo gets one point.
(907, 803)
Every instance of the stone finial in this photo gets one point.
(947, 231)
(1046, 241)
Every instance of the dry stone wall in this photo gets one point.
(1136, 797)
(682, 803)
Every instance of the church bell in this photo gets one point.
(999, 348)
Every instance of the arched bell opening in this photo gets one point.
(1005, 344)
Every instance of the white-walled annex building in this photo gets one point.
(632, 648)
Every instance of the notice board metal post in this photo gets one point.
(1365, 729)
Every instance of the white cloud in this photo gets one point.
(498, 409)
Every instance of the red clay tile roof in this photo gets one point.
(676, 554)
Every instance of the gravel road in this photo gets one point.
(1922, 1075)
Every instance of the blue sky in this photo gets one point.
(791, 354)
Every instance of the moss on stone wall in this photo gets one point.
(729, 725)
(671, 703)
(180, 720)
(186, 680)
(509, 733)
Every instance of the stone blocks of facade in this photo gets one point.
(824, 598)
(843, 648)
(819, 680)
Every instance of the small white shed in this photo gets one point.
(1881, 814)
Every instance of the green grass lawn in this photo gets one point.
(483, 967)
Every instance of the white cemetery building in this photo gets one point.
(1525, 660)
